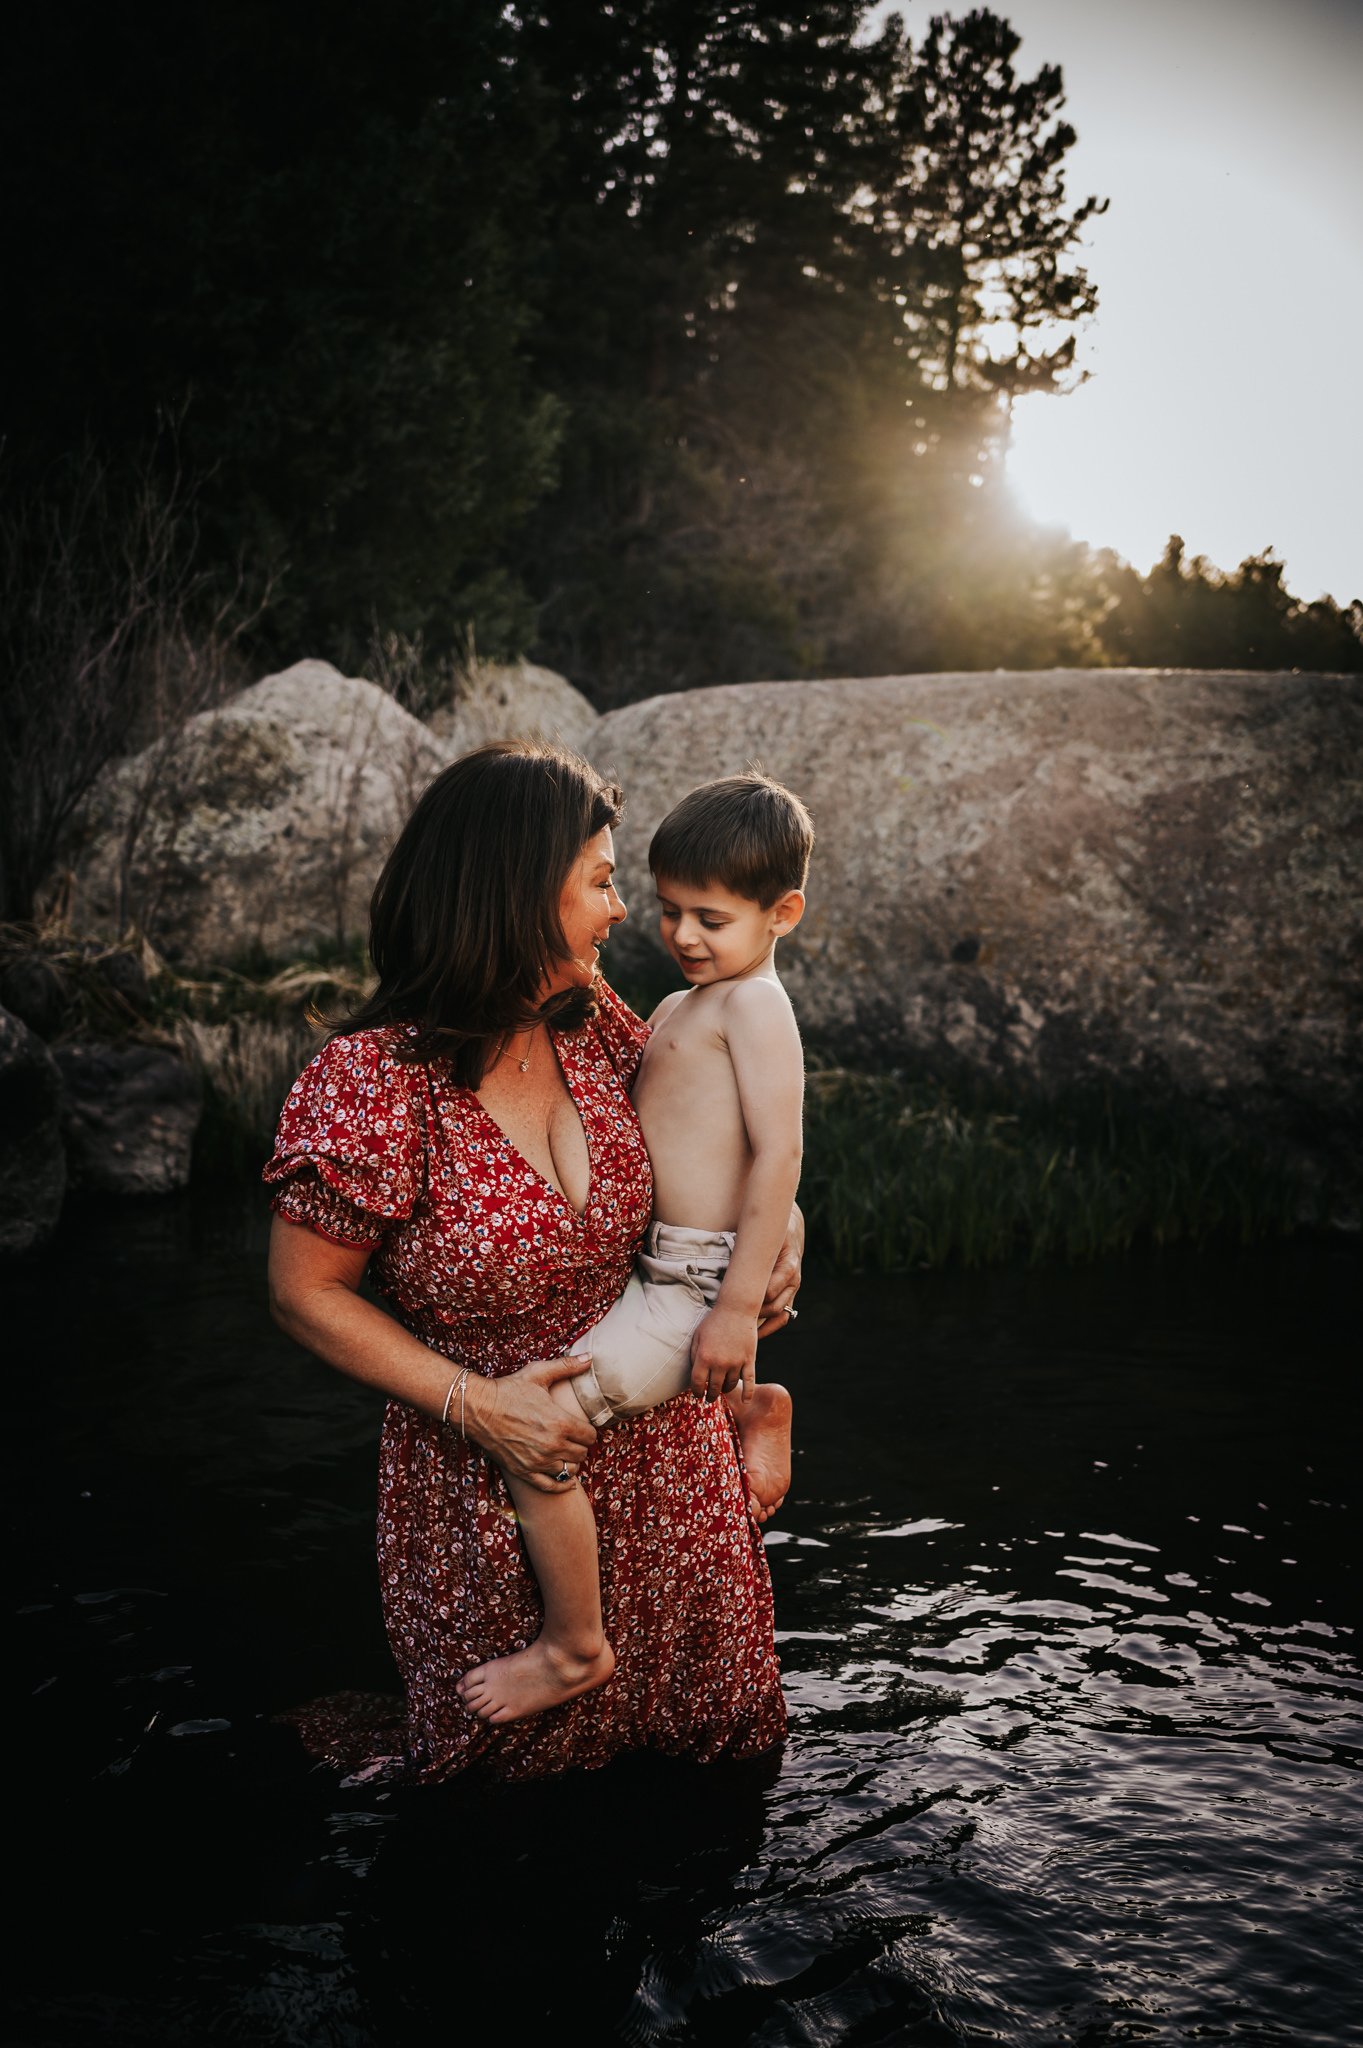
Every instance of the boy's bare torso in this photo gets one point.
(691, 1112)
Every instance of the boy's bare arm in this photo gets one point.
(764, 1050)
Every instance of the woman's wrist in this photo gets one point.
(482, 1399)
(453, 1414)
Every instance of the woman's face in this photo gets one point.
(587, 909)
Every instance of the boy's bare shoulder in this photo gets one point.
(756, 992)
(760, 1003)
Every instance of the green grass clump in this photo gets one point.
(903, 1174)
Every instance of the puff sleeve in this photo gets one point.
(622, 1034)
(349, 1157)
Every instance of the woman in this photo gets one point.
(469, 1142)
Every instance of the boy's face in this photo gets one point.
(714, 935)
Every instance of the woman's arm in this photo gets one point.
(786, 1275)
(315, 1298)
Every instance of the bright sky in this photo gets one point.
(1226, 396)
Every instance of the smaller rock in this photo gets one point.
(514, 700)
(262, 829)
(130, 1116)
(32, 1161)
(32, 989)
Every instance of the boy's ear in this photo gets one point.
(787, 911)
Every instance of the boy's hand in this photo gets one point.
(723, 1351)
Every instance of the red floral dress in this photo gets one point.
(484, 1261)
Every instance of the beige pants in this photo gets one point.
(641, 1348)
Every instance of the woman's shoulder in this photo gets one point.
(349, 1149)
(374, 1061)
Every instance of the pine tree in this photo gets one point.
(796, 277)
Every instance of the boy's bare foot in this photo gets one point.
(532, 1680)
(764, 1432)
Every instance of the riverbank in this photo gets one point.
(903, 1171)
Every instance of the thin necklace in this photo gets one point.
(524, 1064)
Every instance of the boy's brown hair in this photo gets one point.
(745, 832)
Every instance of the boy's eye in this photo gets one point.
(712, 924)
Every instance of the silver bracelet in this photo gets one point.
(460, 1381)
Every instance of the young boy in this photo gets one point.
(719, 1096)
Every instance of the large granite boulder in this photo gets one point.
(129, 1117)
(1149, 877)
(261, 829)
(32, 1157)
(513, 700)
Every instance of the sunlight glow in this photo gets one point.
(1187, 426)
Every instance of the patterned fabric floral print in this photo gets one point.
(485, 1261)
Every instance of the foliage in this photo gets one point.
(322, 245)
(902, 1174)
(974, 213)
(1189, 614)
(793, 298)
(669, 343)
(111, 635)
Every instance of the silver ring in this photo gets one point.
(563, 1477)
(792, 1313)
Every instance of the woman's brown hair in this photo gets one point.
(464, 923)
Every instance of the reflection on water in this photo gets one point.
(1067, 1604)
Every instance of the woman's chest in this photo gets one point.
(544, 1129)
(496, 1234)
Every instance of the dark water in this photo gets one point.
(1068, 1599)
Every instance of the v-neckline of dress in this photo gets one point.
(578, 1215)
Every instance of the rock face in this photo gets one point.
(1142, 876)
(129, 1119)
(514, 701)
(263, 829)
(32, 1159)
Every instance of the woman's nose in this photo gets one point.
(618, 910)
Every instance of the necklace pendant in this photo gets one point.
(524, 1066)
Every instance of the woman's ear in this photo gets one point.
(787, 911)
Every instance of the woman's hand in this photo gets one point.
(530, 1431)
(784, 1284)
(521, 1426)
